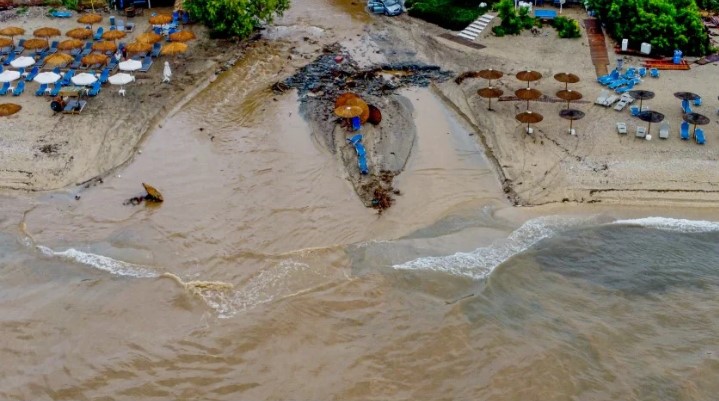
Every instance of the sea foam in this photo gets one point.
(670, 224)
(104, 263)
(479, 263)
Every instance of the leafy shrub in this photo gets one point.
(234, 18)
(665, 24)
(449, 14)
(513, 22)
(566, 27)
(70, 4)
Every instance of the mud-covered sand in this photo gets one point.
(596, 165)
(40, 151)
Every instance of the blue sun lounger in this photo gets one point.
(699, 136)
(56, 89)
(4, 88)
(41, 90)
(19, 89)
(684, 131)
(685, 107)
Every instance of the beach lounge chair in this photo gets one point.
(631, 72)
(357, 138)
(121, 25)
(621, 104)
(87, 49)
(53, 47)
(129, 27)
(20, 46)
(654, 73)
(56, 89)
(41, 90)
(698, 101)
(98, 34)
(146, 64)
(104, 75)
(617, 83)
(95, 89)
(664, 130)
(33, 73)
(76, 63)
(67, 77)
(634, 110)
(641, 132)
(156, 50)
(684, 131)
(699, 136)
(642, 71)
(56, 70)
(19, 89)
(4, 88)
(9, 58)
(626, 88)
(602, 98)
(112, 21)
(611, 100)
(685, 107)
(621, 128)
(112, 65)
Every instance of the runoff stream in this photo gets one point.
(262, 276)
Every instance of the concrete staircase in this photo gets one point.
(475, 28)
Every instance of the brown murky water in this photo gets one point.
(262, 276)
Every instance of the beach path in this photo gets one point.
(597, 46)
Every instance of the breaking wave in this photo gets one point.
(104, 263)
(670, 224)
(479, 263)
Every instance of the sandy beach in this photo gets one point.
(42, 151)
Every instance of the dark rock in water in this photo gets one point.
(375, 115)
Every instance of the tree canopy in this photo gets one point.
(235, 17)
(665, 24)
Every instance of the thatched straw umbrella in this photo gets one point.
(5, 42)
(161, 19)
(138, 47)
(47, 32)
(104, 46)
(12, 31)
(569, 95)
(94, 58)
(182, 36)
(36, 44)
(362, 105)
(70, 44)
(567, 78)
(529, 117)
(347, 111)
(58, 59)
(490, 93)
(113, 35)
(528, 76)
(7, 109)
(90, 19)
(175, 48)
(149, 37)
(79, 33)
(528, 94)
(490, 74)
(343, 98)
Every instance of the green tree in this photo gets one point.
(230, 18)
(665, 24)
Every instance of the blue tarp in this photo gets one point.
(361, 153)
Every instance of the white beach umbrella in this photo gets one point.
(121, 79)
(130, 65)
(9, 76)
(47, 78)
(83, 79)
(22, 62)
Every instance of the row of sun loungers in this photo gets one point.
(664, 129)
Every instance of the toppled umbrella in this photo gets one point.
(153, 195)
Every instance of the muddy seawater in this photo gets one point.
(263, 277)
